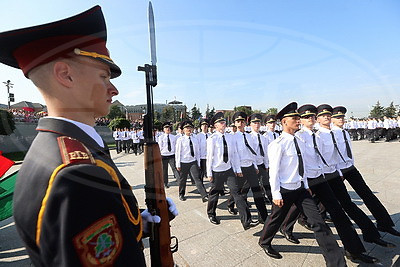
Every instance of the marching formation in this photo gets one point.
(298, 168)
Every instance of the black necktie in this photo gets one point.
(317, 150)
(206, 136)
(301, 166)
(225, 149)
(247, 144)
(274, 135)
(348, 150)
(260, 145)
(335, 145)
(191, 147)
(169, 143)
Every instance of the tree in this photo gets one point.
(211, 113)
(115, 112)
(377, 111)
(195, 113)
(390, 111)
(208, 112)
(168, 114)
(271, 111)
(119, 123)
(7, 124)
(244, 109)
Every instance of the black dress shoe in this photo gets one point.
(166, 186)
(249, 224)
(383, 243)
(271, 252)
(360, 257)
(213, 219)
(289, 237)
(232, 210)
(389, 230)
(183, 198)
(204, 199)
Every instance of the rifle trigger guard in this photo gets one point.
(174, 248)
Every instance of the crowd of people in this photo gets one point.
(21, 115)
(296, 162)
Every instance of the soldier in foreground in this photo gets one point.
(82, 210)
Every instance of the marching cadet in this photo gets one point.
(261, 150)
(167, 143)
(313, 162)
(82, 211)
(270, 134)
(117, 139)
(353, 176)
(187, 158)
(332, 155)
(125, 140)
(289, 187)
(222, 166)
(246, 152)
(135, 141)
(202, 137)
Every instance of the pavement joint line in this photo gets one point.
(8, 225)
(12, 250)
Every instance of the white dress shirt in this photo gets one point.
(312, 161)
(163, 143)
(215, 154)
(341, 143)
(182, 152)
(264, 142)
(246, 158)
(284, 165)
(271, 136)
(201, 137)
(328, 151)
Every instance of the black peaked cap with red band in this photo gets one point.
(84, 34)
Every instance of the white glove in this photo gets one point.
(172, 207)
(148, 218)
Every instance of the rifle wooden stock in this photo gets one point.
(160, 238)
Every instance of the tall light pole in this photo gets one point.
(10, 97)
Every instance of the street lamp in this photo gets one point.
(9, 96)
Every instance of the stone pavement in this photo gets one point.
(204, 244)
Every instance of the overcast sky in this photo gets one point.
(227, 53)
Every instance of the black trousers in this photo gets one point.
(194, 170)
(355, 179)
(263, 177)
(370, 233)
(118, 144)
(203, 169)
(217, 187)
(171, 161)
(250, 177)
(302, 199)
(135, 147)
(125, 145)
(344, 227)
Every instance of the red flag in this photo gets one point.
(5, 164)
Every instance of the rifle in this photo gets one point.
(160, 236)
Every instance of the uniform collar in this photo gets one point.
(67, 128)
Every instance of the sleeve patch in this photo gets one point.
(100, 243)
(74, 152)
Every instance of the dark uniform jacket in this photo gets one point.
(72, 206)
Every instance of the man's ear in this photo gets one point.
(63, 73)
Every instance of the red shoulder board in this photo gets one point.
(74, 152)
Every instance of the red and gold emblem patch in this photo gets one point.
(100, 243)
